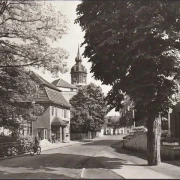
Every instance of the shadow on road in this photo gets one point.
(56, 164)
(71, 161)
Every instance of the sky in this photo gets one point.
(70, 42)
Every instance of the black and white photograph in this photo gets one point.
(89, 89)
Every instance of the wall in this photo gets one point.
(101, 133)
(69, 95)
(78, 136)
(123, 130)
(83, 136)
(138, 141)
(43, 121)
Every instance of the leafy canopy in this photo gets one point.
(88, 108)
(134, 46)
(26, 28)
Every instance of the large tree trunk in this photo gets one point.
(153, 141)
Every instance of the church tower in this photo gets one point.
(78, 72)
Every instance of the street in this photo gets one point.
(93, 159)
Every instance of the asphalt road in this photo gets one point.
(92, 159)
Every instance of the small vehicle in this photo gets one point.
(35, 149)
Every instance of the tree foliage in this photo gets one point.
(26, 28)
(88, 108)
(137, 49)
(134, 46)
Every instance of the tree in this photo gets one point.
(88, 108)
(134, 46)
(26, 28)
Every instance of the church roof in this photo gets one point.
(78, 57)
(62, 83)
(78, 67)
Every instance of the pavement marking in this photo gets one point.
(82, 173)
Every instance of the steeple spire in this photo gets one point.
(78, 57)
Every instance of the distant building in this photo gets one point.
(112, 127)
(78, 72)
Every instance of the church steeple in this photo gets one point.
(78, 71)
(78, 57)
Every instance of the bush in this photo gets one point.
(25, 139)
(13, 145)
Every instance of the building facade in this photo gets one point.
(54, 122)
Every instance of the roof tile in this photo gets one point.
(56, 97)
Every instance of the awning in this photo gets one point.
(58, 122)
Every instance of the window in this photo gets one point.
(52, 110)
(45, 133)
(65, 113)
(29, 128)
(56, 111)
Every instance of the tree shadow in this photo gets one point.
(57, 165)
(120, 149)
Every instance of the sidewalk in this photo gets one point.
(136, 166)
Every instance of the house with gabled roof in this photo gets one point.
(68, 90)
(56, 116)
